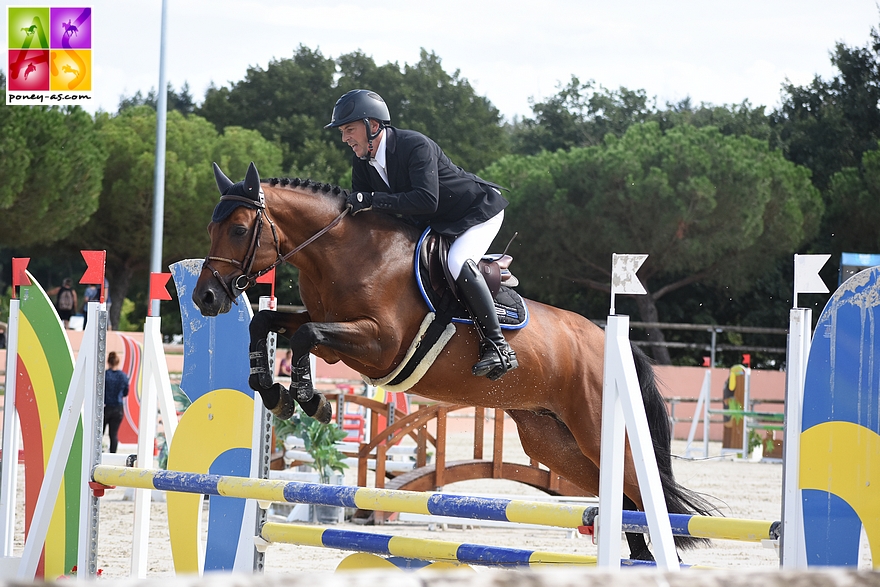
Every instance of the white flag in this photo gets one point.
(806, 274)
(623, 274)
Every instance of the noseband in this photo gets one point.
(248, 278)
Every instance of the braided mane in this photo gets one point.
(314, 186)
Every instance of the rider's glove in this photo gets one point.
(360, 201)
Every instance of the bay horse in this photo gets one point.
(363, 308)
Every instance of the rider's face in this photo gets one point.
(354, 134)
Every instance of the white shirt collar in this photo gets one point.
(379, 160)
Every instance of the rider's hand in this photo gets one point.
(360, 201)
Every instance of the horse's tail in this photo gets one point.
(679, 500)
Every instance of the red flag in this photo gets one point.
(94, 273)
(159, 286)
(19, 273)
(268, 277)
(747, 360)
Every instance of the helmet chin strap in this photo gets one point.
(370, 137)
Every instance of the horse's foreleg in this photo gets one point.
(275, 396)
(354, 339)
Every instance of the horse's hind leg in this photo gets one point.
(548, 440)
(638, 546)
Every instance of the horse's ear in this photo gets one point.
(223, 182)
(252, 183)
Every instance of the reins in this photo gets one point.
(247, 278)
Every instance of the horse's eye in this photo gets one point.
(239, 230)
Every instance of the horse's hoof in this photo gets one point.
(285, 408)
(642, 555)
(318, 408)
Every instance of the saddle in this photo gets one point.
(434, 253)
(445, 310)
(439, 290)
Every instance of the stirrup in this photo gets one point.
(495, 360)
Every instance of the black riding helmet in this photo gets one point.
(360, 105)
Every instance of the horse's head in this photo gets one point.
(236, 258)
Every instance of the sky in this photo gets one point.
(510, 52)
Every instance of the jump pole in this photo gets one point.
(267, 491)
(738, 529)
(624, 412)
(416, 548)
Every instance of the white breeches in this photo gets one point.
(473, 243)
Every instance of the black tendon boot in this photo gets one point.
(275, 397)
(496, 356)
(313, 404)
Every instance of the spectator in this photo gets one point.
(65, 300)
(115, 389)
(285, 364)
(90, 295)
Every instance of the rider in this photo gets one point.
(398, 171)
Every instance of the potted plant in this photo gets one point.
(320, 440)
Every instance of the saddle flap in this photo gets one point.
(433, 256)
(492, 274)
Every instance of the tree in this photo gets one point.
(291, 100)
(123, 222)
(737, 119)
(288, 103)
(854, 202)
(51, 162)
(580, 115)
(829, 125)
(181, 101)
(706, 207)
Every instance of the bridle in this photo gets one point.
(248, 278)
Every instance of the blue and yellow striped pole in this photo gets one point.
(438, 504)
(418, 548)
(701, 526)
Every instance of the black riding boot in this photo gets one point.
(496, 356)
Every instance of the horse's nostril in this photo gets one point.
(205, 299)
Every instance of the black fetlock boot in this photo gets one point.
(301, 380)
(496, 356)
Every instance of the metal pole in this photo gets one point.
(712, 353)
(159, 175)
